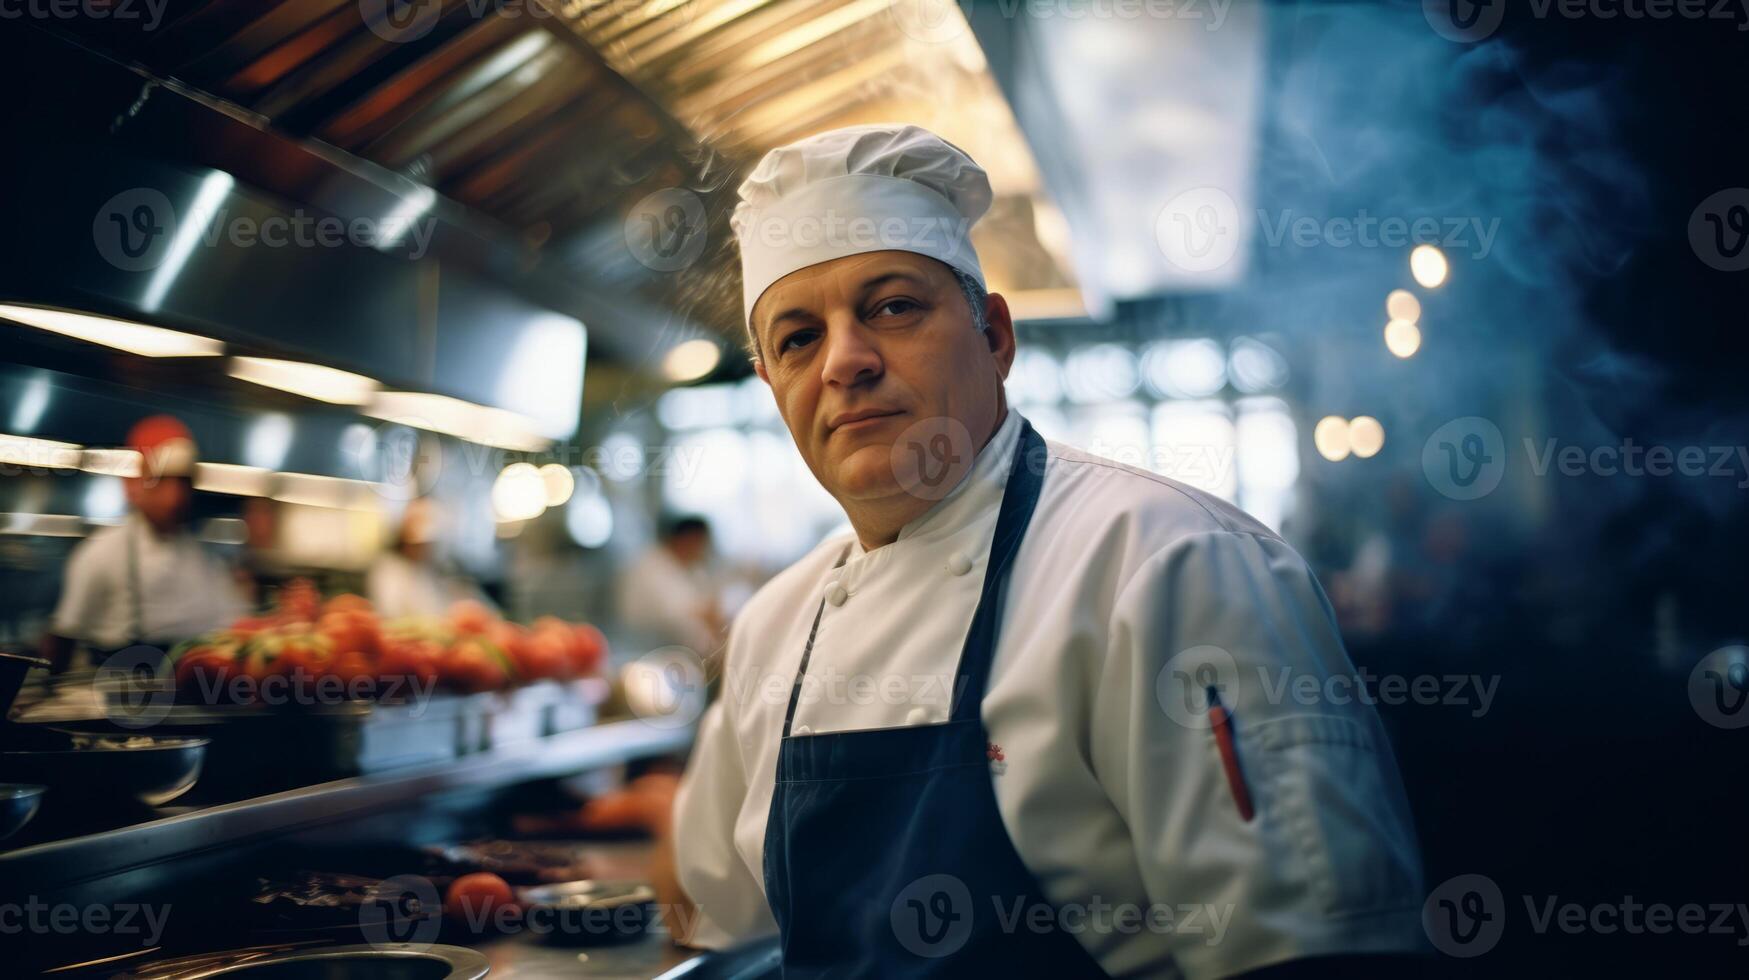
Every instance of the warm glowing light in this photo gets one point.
(1402, 338)
(1402, 305)
(691, 360)
(309, 380)
(38, 453)
(1428, 265)
(135, 338)
(559, 483)
(333, 492)
(519, 493)
(1331, 438)
(112, 462)
(462, 419)
(242, 481)
(1365, 436)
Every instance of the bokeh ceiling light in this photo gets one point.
(559, 483)
(1402, 305)
(309, 380)
(1402, 338)
(1331, 438)
(1365, 436)
(519, 493)
(135, 338)
(1429, 267)
(691, 360)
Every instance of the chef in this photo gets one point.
(1028, 718)
(147, 580)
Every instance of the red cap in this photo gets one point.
(165, 445)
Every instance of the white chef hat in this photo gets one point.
(854, 190)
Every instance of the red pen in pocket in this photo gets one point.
(1222, 722)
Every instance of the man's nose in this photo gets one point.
(850, 357)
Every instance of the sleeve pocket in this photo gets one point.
(1326, 787)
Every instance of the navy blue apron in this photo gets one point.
(885, 854)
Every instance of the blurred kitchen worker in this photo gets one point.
(668, 594)
(1076, 665)
(147, 580)
(407, 580)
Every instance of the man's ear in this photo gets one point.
(1000, 334)
(759, 369)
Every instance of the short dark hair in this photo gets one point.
(684, 524)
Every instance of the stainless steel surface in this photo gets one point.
(18, 803)
(382, 962)
(81, 859)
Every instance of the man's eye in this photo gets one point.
(895, 307)
(796, 340)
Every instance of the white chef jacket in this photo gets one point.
(182, 589)
(1110, 799)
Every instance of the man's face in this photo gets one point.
(163, 500)
(860, 349)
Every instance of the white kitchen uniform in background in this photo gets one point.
(664, 600)
(1129, 593)
(182, 589)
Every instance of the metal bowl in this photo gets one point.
(589, 912)
(386, 962)
(18, 803)
(95, 768)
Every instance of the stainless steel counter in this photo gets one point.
(66, 865)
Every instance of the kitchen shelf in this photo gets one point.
(72, 862)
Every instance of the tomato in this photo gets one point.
(474, 665)
(304, 656)
(346, 602)
(479, 900)
(546, 654)
(471, 617)
(410, 661)
(352, 632)
(204, 669)
(589, 649)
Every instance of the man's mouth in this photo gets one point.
(864, 419)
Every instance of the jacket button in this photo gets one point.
(917, 716)
(958, 563)
(836, 593)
